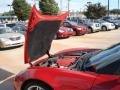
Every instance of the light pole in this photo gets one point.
(68, 8)
(118, 8)
(10, 5)
(108, 7)
(61, 4)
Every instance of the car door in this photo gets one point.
(107, 82)
(74, 80)
(110, 79)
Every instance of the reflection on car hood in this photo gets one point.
(40, 33)
(9, 35)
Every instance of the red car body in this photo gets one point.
(64, 32)
(78, 29)
(56, 72)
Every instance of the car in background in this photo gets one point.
(112, 20)
(7, 25)
(92, 26)
(78, 29)
(20, 29)
(8, 38)
(64, 32)
(105, 26)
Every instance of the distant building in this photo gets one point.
(7, 19)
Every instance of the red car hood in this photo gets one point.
(40, 33)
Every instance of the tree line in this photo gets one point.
(22, 9)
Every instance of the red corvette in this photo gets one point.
(64, 32)
(73, 69)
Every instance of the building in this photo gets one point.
(7, 19)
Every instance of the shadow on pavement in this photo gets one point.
(3, 49)
(6, 80)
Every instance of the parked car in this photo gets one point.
(7, 24)
(67, 69)
(105, 26)
(73, 69)
(20, 29)
(64, 32)
(8, 38)
(78, 29)
(92, 26)
(112, 20)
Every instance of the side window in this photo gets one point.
(66, 24)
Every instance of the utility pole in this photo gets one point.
(68, 7)
(10, 11)
(108, 7)
(118, 8)
(61, 4)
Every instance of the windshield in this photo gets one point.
(105, 57)
(5, 30)
(73, 23)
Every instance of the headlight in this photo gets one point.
(79, 28)
(4, 39)
(61, 31)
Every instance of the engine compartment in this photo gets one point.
(64, 60)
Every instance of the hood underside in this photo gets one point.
(40, 33)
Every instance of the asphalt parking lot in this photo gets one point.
(12, 60)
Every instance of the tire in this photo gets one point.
(104, 28)
(91, 30)
(35, 85)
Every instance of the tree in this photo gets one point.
(21, 9)
(95, 11)
(48, 7)
(115, 11)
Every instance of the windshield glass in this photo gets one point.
(73, 23)
(5, 30)
(104, 57)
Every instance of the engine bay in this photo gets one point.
(65, 60)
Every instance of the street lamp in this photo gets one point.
(61, 4)
(118, 8)
(108, 7)
(9, 5)
(68, 7)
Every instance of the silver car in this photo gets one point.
(8, 38)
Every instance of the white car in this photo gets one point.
(92, 26)
(7, 25)
(8, 38)
(105, 26)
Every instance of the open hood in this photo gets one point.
(40, 33)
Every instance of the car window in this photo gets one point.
(10, 25)
(107, 64)
(66, 24)
(5, 30)
(105, 53)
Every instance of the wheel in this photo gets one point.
(74, 33)
(91, 30)
(104, 28)
(36, 86)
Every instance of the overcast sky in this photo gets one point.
(75, 5)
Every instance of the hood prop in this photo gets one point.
(48, 54)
